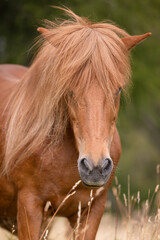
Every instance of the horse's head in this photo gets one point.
(97, 64)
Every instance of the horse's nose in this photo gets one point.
(92, 175)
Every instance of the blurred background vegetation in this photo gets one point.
(139, 121)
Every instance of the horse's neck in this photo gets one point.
(65, 152)
(69, 141)
(68, 145)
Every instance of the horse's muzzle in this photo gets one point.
(95, 176)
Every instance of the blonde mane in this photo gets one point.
(77, 52)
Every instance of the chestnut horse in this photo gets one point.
(58, 123)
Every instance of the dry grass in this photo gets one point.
(132, 230)
(135, 223)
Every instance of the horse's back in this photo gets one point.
(11, 72)
(9, 75)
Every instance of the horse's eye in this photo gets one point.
(71, 94)
(119, 91)
(72, 98)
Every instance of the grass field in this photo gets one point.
(109, 229)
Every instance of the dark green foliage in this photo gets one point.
(139, 121)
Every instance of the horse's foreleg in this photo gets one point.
(89, 221)
(29, 216)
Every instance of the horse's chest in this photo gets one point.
(59, 189)
(68, 204)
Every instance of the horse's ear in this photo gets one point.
(132, 41)
(45, 32)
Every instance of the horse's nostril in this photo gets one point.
(107, 165)
(85, 165)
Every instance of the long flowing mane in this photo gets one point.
(78, 52)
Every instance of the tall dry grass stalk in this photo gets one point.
(89, 209)
(78, 221)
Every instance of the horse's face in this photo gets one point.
(93, 122)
